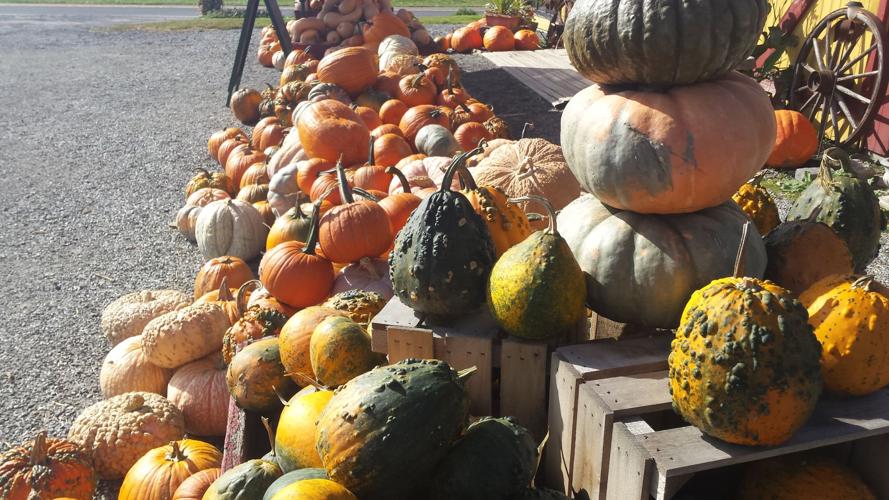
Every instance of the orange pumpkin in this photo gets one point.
(234, 270)
(295, 339)
(470, 134)
(370, 117)
(245, 106)
(498, 38)
(399, 206)
(382, 25)
(329, 129)
(257, 173)
(389, 149)
(227, 147)
(392, 110)
(444, 43)
(452, 96)
(267, 133)
(354, 69)
(218, 138)
(237, 163)
(298, 56)
(526, 40)
(796, 141)
(197, 484)
(386, 128)
(294, 225)
(372, 176)
(466, 39)
(307, 172)
(387, 82)
(418, 117)
(437, 75)
(415, 90)
(46, 468)
(159, 472)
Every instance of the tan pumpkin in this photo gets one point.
(295, 339)
(187, 219)
(126, 369)
(205, 196)
(186, 335)
(158, 474)
(199, 390)
(128, 315)
(234, 270)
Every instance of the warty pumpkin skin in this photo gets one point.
(44, 469)
(756, 202)
(656, 43)
(158, 474)
(234, 270)
(295, 339)
(507, 223)
(850, 315)
(845, 203)
(254, 324)
(796, 142)
(197, 484)
(537, 289)
(127, 315)
(801, 253)
(744, 363)
(419, 407)
(199, 390)
(245, 481)
(314, 489)
(359, 305)
(340, 350)
(230, 227)
(206, 179)
(126, 369)
(292, 477)
(640, 151)
(255, 374)
(642, 269)
(295, 436)
(186, 335)
(798, 476)
(443, 255)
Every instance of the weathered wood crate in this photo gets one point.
(245, 436)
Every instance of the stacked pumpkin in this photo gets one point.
(478, 35)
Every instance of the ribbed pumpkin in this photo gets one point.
(160, 471)
(526, 40)
(496, 458)
(230, 227)
(247, 480)
(295, 437)
(466, 39)
(359, 305)
(235, 271)
(314, 489)
(294, 225)
(194, 487)
(634, 150)
(798, 476)
(354, 69)
(256, 173)
(200, 391)
(383, 433)
(292, 477)
(537, 289)
(498, 38)
(295, 339)
(392, 110)
(239, 160)
(389, 149)
(850, 315)
(254, 324)
(256, 377)
(648, 42)
(245, 105)
(642, 269)
(417, 117)
(340, 350)
(744, 363)
(801, 253)
(126, 369)
(46, 468)
(442, 280)
(206, 179)
(308, 171)
(400, 205)
(845, 203)
(329, 129)
(471, 134)
(507, 223)
(758, 205)
(217, 138)
(254, 193)
(796, 141)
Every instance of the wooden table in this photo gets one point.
(547, 72)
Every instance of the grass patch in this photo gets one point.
(787, 187)
(455, 19)
(232, 23)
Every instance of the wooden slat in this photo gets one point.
(869, 458)
(406, 343)
(631, 468)
(547, 72)
(394, 313)
(634, 394)
(523, 383)
(466, 351)
(234, 450)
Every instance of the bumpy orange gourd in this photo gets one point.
(758, 205)
(295, 436)
(794, 477)
(744, 363)
(46, 468)
(160, 471)
(850, 315)
(295, 338)
(256, 377)
(801, 253)
(796, 141)
(507, 223)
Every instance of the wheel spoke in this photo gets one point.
(819, 61)
(856, 59)
(845, 109)
(807, 67)
(808, 101)
(853, 94)
(845, 54)
(857, 75)
(811, 114)
(804, 87)
(828, 49)
(833, 121)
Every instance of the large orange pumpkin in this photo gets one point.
(389, 149)
(234, 270)
(46, 468)
(158, 474)
(795, 142)
(415, 90)
(295, 339)
(329, 128)
(382, 25)
(418, 117)
(526, 40)
(354, 69)
(498, 38)
(392, 110)
(466, 39)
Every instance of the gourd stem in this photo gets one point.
(528, 126)
(309, 249)
(741, 256)
(365, 194)
(415, 83)
(268, 430)
(866, 282)
(176, 455)
(241, 298)
(371, 159)
(297, 209)
(466, 373)
(405, 185)
(38, 449)
(202, 170)
(465, 107)
(832, 157)
(550, 210)
(459, 162)
(466, 179)
(757, 179)
(224, 294)
(345, 192)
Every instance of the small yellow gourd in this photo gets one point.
(295, 436)
(758, 205)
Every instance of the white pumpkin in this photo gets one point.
(370, 275)
(126, 369)
(402, 64)
(283, 191)
(278, 59)
(187, 219)
(230, 227)
(398, 44)
(186, 335)
(435, 140)
(290, 149)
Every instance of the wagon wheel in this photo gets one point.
(839, 74)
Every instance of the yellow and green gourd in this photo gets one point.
(537, 289)
(758, 205)
(295, 436)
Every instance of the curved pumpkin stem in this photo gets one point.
(464, 374)
(364, 194)
(176, 454)
(756, 180)
(467, 182)
(345, 192)
(528, 126)
(550, 211)
(39, 449)
(268, 430)
(224, 294)
(309, 249)
(405, 185)
(742, 252)
(450, 81)
(833, 157)
(458, 162)
(241, 297)
(865, 282)
(371, 158)
(415, 83)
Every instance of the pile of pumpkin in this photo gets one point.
(477, 35)
(345, 23)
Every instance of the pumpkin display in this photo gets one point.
(213, 144)
(293, 225)
(649, 43)
(235, 271)
(199, 390)
(632, 149)
(116, 432)
(294, 274)
(526, 40)
(399, 205)
(470, 134)
(295, 340)
(466, 39)
(522, 296)
(245, 105)
(417, 117)
(354, 69)
(247, 480)
(758, 205)
(529, 167)
(225, 150)
(292, 477)
(498, 38)
(126, 316)
(127, 369)
(790, 477)
(359, 305)
(295, 437)
(442, 280)
(642, 269)
(507, 224)
(850, 316)
(340, 350)
(46, 468)
(369, 275)
(392, 110)
(845, 203)
(801, 253)
(230, 227)
(187, 219)
(186, 335)
(795, 142)
(419, 407)
(744, 366)
(158, 474)
(495, 458)
(256, 376)
(194, 487)
(227, 298)
(329, 130)
(315, 489)
(256, 323)
(206, 179)
(256, 173)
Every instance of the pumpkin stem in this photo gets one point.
(241, 298)
(224, 294)
(39, 449)
(345, 192)
(757, 179)
(833, 158)
(203, 171)
(364, 194)
(528, 126)
(450, 80)
(741, 256)
(297, 208)
(540, 448)
(466, 179)
(405, 185)
(371, 158)
(458, 162)
(550, 211)
(176, 455)
(415, 83)
(466, 373)
(465, 107)
(313, 232)
(268, 430)
(866, 282)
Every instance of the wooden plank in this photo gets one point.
(547, 72)
(635, 394)
(394, 313)
(869, 458)
(561, 409)
(406, 343)
(234, 450)
(613, 358)
(789, 21)
(523, 383)
(631, 467)
(466, 351)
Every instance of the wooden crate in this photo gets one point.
(245, 436)
(574, 366)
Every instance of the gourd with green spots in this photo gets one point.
(248, 480)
